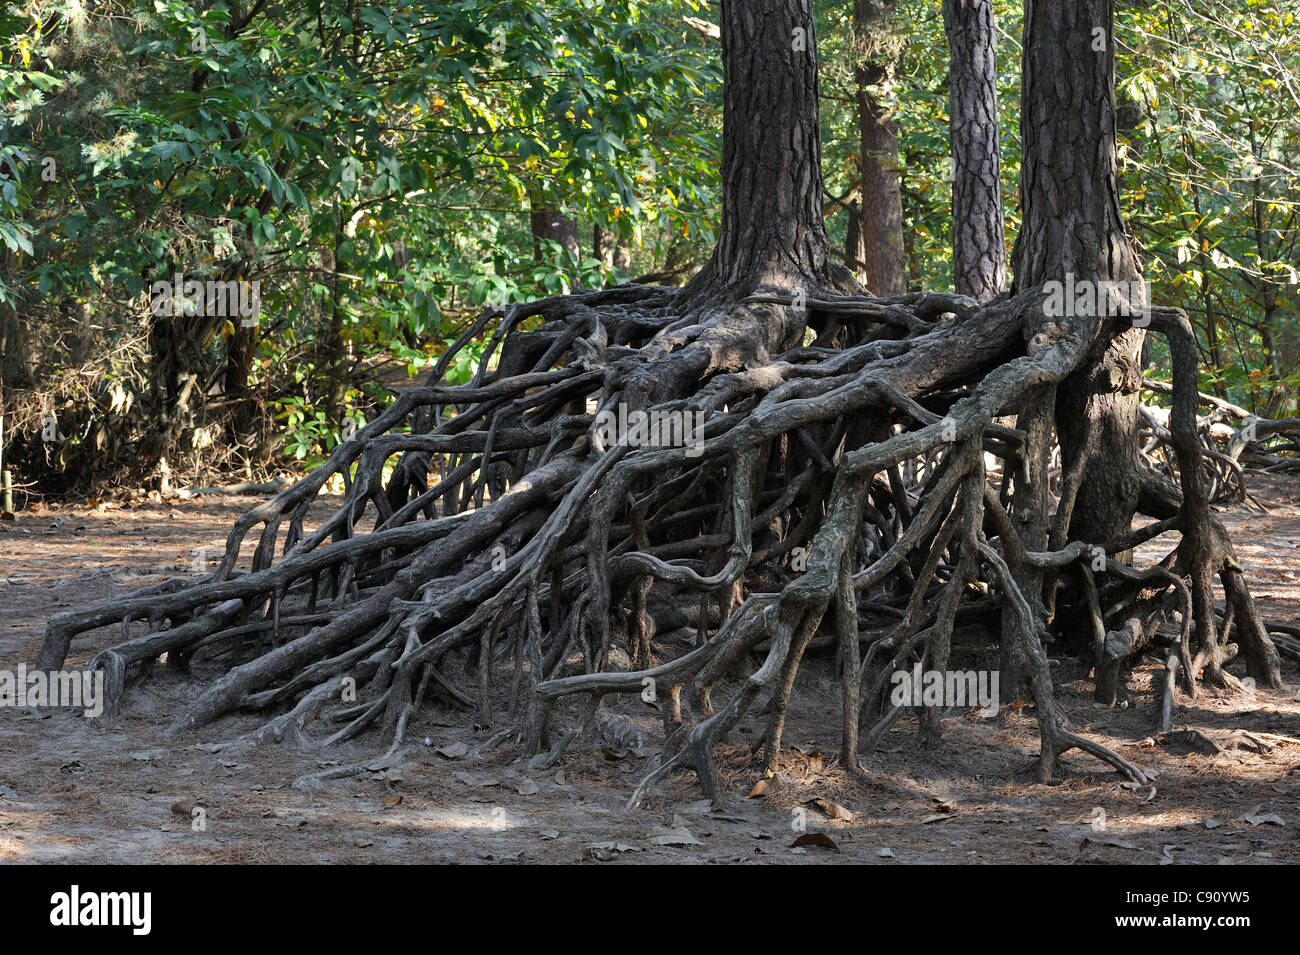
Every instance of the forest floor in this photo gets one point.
(81, 790)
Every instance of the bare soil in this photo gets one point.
(82, 790)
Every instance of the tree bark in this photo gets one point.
(622, 258)
(336, 349)
(240, 352)
(979, 246)
(855, 252)
(602, 246)
(547, 222)
(1073, 227)
(772, 232)
(881, 228)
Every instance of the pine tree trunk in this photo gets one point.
(855, 252)
(979, 247)
(1072, 226)
(881, 224)
(771, 232)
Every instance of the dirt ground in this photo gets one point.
(95, 791)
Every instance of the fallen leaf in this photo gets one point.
(452, 750)
(392, 801)
(764, 787)
(528, 788)
(833, 810)
(681, 836)
(886, 853)
(1256, 818)
(817, 840)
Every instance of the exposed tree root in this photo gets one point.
(837, 488)
(1230, 436)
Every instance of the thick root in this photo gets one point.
(636, 474)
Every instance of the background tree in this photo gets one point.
(979, 251)
(876, 47)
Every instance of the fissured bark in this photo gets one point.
(771, 232)
(1072, 225)
(881, 216)
(979, 246)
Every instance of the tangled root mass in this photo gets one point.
(852, 488)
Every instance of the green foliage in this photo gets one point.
(1212, 187)
(373, 167)
(1209, 125)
